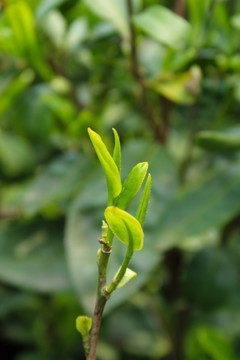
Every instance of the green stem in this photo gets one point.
(112, 286)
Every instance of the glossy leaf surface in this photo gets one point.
(132, 184)
(109, 167)
(125, 227)
(143, 206)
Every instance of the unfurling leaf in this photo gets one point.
(125, 227)
(129, 275)
(108, 164)
(132, 184)
(117, 151)
(83, 325)
(142, 209)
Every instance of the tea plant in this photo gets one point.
(119, 223)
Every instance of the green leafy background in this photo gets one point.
(68, 65)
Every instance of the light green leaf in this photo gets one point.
(217, 141)
(129, 275)
(117, 151)
(109, 167)
(142, 209)
(163, 25)
(83, 325)
(235, 21)
(125, 227)
(45, 6)
(132, 184)
(181, 88)
(111, 10)
(215, 344)
(83, 225)
(197, 10)
(23, 36)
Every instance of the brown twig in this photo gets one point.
(180, 7)
(155, 125)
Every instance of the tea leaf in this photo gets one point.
(129, 275)
(117, 151)
(142, 209)
(83, 325)
(109, 167)
(132, 184)
(125, 227)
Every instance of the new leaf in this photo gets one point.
(109, 166)
(125, 227)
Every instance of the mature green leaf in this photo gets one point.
(117, 151)
(143, 206)
(215, 344)
(16, 155)
(157, 21)
(197, 10)
(215, 284)
(132, 184)
(209, 205)
(125, 227)
(217, 141)
(15, 87)
(111, 10)
(109, 167)
(55, 185)
(202, 341)
(31, 256)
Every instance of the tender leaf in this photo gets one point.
(117, 151)
(216, 141)
(83, 225)
(129, 275)
(157, 21)
(109, 167)
(143, 206)
(125, 227)
(83, 325)
(132, 184)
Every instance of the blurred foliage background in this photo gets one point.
(166, 75)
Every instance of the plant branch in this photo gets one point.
(103, 257)
(156, 126)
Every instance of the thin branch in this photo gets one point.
(104, 253)
(140, 80)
